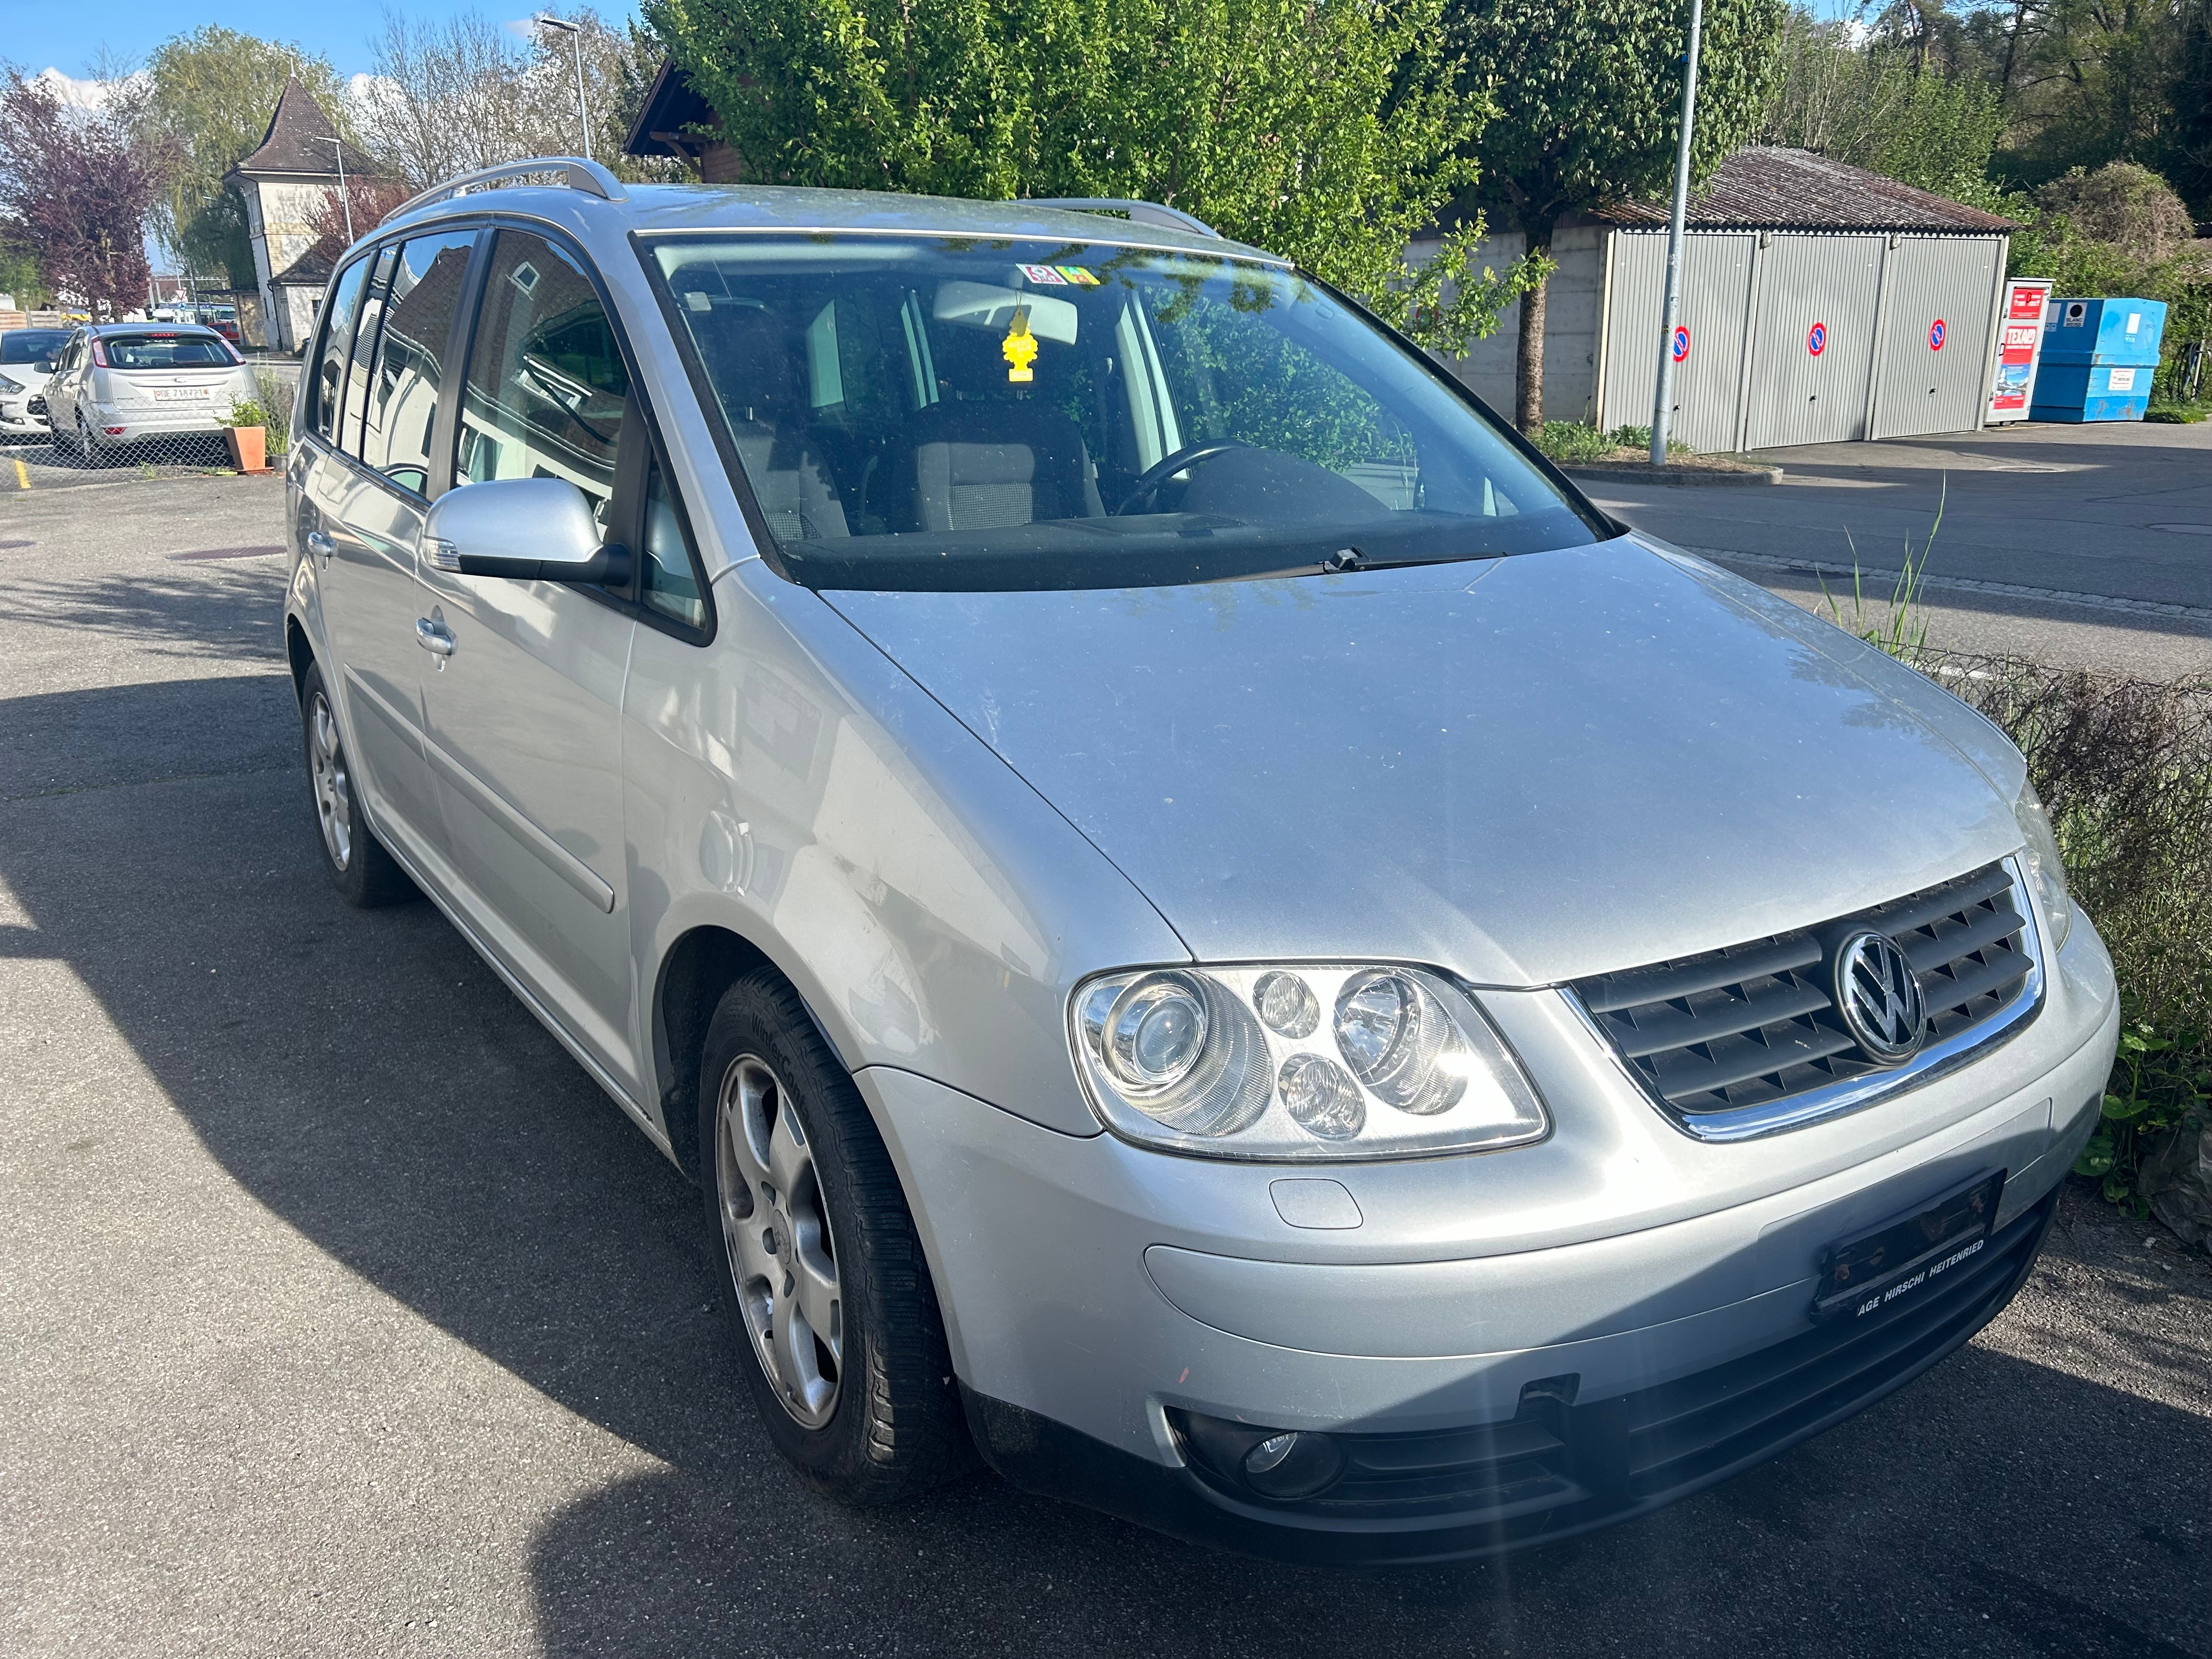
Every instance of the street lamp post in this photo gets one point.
(1662, 402)
(575, 34)
(345, 196)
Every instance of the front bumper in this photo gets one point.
(1557, 1467)
(1587, 1304)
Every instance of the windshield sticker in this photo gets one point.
(1043, 274)
(1020, 349)
(1080, 275)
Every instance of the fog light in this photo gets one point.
(1292, 1464)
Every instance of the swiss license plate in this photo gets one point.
(180, 394)
(1902, 1259)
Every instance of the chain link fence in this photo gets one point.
(243, 436)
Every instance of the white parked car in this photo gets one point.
(26, 362)
(119, 384)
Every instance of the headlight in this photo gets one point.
(2046, 871)
(1345, 1061)
(9, 387)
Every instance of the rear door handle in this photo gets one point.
(434, 637)
(321, 544)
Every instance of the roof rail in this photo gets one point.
(1142, 213)
(575, 171)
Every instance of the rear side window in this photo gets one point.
(329, 390)
(546, 385)
(425, 292)
(166, 351)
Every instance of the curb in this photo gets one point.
(1645, 473)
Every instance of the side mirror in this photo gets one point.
(44, 365)
(525, 529)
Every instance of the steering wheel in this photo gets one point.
(1150, 480)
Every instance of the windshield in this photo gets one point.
(970, 414)
(165, 351)
(28, 345)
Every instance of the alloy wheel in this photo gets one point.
(326, 764)
(775, 1229)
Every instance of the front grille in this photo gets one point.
(1754, 1026)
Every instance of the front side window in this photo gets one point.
(418, 314)
(546, 386)
(973, 413)
(30, 345)
(328, 388)
(667, 580)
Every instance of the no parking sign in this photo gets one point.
(1936, 335)
(1681, 341)
(1816, 339)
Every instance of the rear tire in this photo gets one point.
(365, 875)
(831, 1310)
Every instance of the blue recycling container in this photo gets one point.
(2092, 392)
(2102, 331)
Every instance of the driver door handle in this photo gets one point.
(321, 546)
(434, 637)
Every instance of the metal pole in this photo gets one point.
(1662, 402)
(575, 34)
(583, 115)
(345, 196)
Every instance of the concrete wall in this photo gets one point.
(1571, 313)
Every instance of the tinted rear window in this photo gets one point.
(165, 351)
(28, 345)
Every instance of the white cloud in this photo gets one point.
(86, 94)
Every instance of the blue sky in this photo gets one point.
(42, 34)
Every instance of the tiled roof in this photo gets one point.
(1767, 188)
(295, 141)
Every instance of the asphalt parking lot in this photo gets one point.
(341, 1314)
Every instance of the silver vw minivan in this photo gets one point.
(1208, 928)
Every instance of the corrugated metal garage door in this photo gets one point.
(1950, 280)
(1716, 296)
(1819, 291)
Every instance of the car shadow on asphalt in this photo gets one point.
(365, 1077)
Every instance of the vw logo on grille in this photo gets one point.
(1879, 998)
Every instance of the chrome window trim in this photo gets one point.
(1838, 1099)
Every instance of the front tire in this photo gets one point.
(362, 871)
(821, 1271)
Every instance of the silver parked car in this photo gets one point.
(120, 384)
(1202, 921)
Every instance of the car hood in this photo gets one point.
(1523, 769)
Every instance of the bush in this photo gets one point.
(2125, 768)
(276, 401)
(1572, 442)
(1568, 441)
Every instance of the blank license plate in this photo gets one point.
(1904, 1258)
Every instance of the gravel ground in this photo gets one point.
(340, 1313)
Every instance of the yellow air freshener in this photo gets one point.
(1020, 349)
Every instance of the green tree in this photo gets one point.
(1588, 99)
(1330, 132)
(209, 96)
(1885, 105)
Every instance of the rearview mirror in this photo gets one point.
(524, 529)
